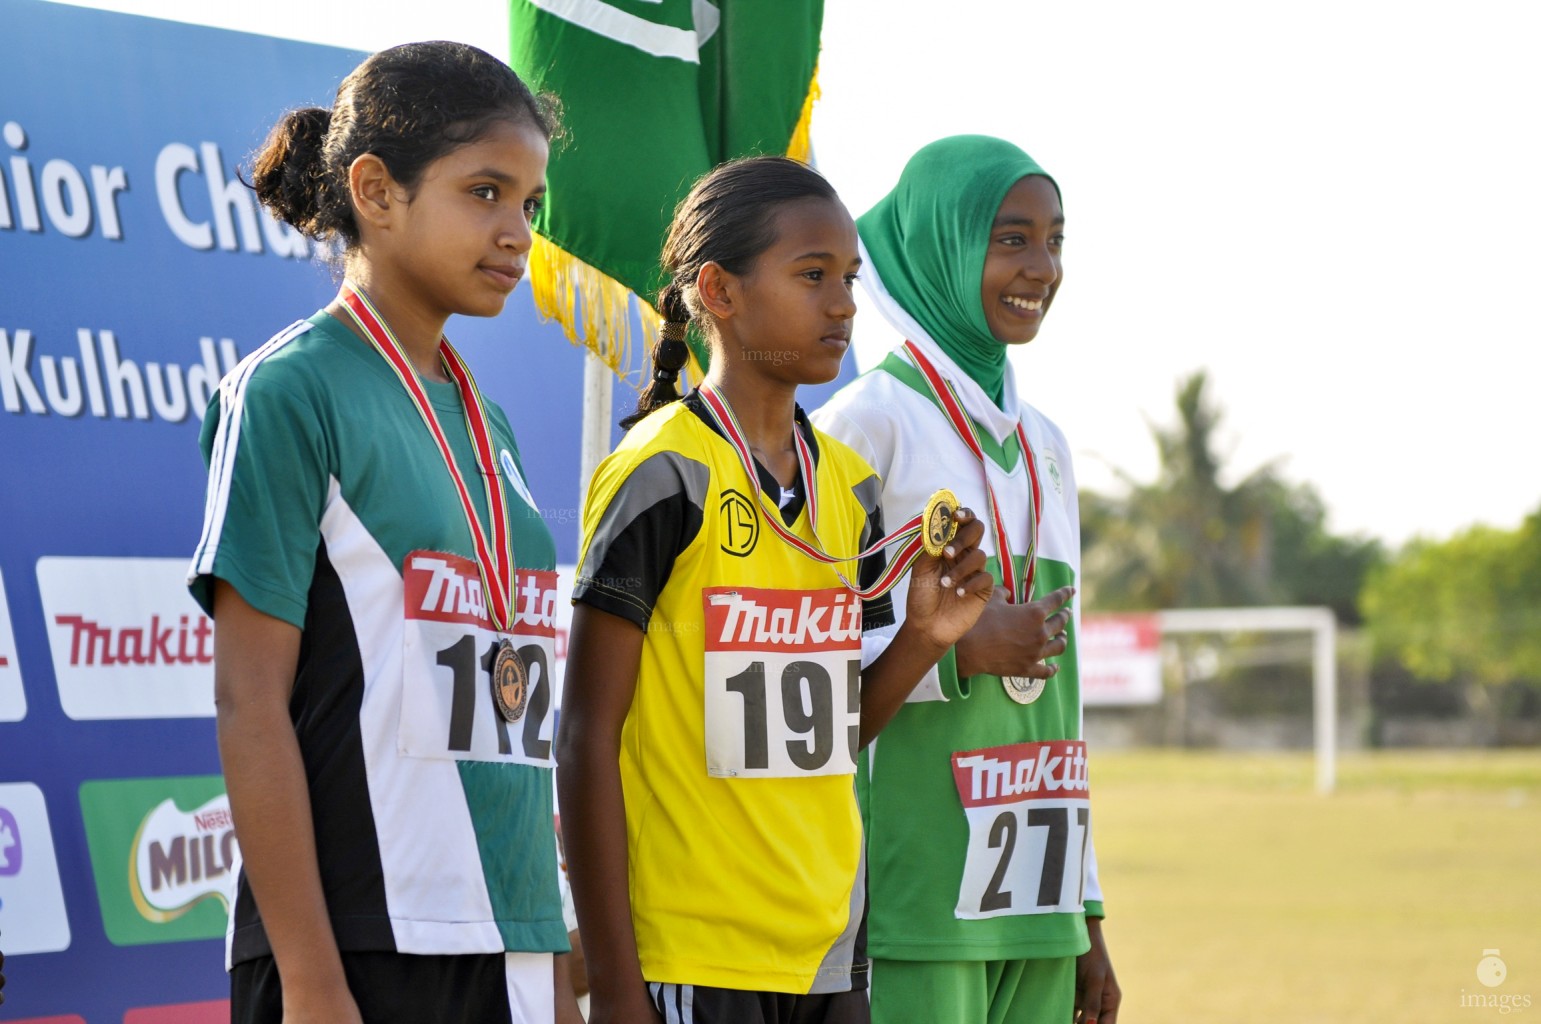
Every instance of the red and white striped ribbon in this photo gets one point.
(1017, 590)
(495, 558)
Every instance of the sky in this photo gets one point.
(1327, 207)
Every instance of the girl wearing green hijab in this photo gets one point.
(985, 904)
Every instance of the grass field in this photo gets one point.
(1237, 894)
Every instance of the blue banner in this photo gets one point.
(135, 270)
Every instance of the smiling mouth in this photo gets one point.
(1017, 302)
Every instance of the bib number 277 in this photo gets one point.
(1029, 820)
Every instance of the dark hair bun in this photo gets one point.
(287, 174)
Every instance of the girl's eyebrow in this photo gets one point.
(822, 256)
(1026, 222)
(503, 177)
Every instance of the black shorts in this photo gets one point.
(697, 1004)
(402, 988)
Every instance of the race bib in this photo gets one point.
(783, 682)
(1029, 818)
(448, 709)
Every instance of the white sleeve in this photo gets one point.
(875, 641)
(1093, 883)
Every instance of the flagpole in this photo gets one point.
(598, 381)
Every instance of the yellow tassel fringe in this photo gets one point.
(801, 145)
(593, 308)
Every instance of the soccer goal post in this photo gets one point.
(1322, 626)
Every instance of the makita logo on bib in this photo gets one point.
(747, 619)
(448, 588)
(1022, 771)
(126, 638)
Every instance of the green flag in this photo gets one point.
(654, 94)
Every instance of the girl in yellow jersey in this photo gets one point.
(716, 698)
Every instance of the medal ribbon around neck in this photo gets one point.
(911, 533)
(495, 560)
(1017, 590)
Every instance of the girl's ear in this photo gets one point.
(372, 189)
(718, 290)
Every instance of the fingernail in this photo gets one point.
(949, 552)
(960, 591)
(946, 581)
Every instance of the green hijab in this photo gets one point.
(927, 239)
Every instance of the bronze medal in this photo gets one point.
(510, 682)
(939, 525)
(1023, 689)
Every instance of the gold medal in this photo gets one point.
(939, 525)
(1023, 689)
(510, 682)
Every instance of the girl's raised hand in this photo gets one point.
(947, 594)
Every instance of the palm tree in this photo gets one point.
(1186, 540)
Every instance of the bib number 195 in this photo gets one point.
(779, 716)
(782, 682)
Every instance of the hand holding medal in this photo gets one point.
(949, 584)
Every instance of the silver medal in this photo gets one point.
(1023, 689)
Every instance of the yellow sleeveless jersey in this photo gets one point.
(738, 754)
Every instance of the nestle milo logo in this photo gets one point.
(182, 857)
(163, 852)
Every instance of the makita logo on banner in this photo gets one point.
(448, 588)
(127, 641)
(181, 857)
(185, 642)
(747, 619)
(1052, 770)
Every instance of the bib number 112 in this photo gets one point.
(471, 689)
